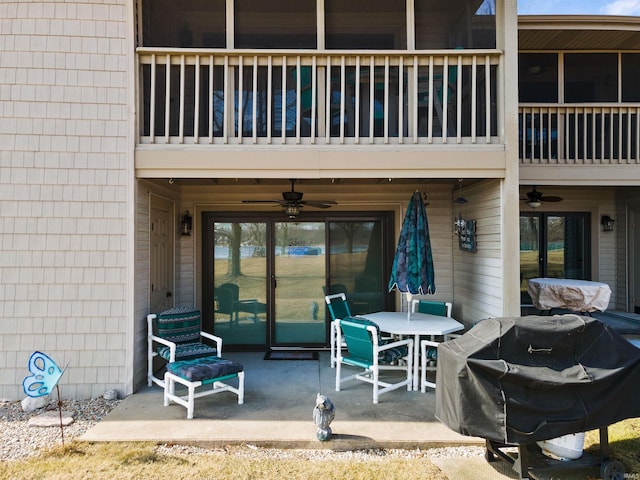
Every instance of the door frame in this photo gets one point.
(208, 218)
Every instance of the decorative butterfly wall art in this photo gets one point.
(45, 374)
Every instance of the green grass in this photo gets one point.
(81, 460)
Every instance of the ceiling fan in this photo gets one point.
(292, 202)
(535, 198)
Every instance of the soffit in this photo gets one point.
(572, 32)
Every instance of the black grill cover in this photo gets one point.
(524, 379)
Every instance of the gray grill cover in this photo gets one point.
(524, 379)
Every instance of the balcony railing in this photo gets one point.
(580, 134)
(326, 98)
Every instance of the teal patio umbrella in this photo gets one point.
(412, 271)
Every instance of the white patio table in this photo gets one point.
(396, 323)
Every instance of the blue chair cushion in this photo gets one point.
(186, 351)
(204, 368)
(179, 325)
(393, 354)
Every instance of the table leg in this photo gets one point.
(416, 362)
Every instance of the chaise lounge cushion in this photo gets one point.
(205, 368)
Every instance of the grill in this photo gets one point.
(516, 381)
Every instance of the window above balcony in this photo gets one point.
(323, 25)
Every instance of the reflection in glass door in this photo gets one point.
(299, 278)
(555, 245)
(239, 282)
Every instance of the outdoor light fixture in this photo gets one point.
(607, 223)
(291, 210)
(534, 203)
(186, 223)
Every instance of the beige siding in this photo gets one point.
(141, 293)
(479, 276)
(63, 192)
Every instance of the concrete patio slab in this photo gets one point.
(279, 401)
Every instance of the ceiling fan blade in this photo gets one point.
(550, 198)
(319, 203)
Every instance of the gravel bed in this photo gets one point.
(18, 440)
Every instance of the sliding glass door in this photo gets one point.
(556, 245)
(264, 279)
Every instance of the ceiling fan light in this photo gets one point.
(292, 211)
(534, 203)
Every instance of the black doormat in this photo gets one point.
(290, 355)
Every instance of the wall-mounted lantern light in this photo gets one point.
(186, 223)
(607, 223)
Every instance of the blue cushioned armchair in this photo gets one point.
(176, 334)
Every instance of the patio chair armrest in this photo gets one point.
(216, 339)
(171, 345)
(398, 343)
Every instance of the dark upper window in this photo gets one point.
(439, 26)
(353, 24)
(275, 24)
(590, 77)
(630, 76)
(366, 24)
(538, 77)
(194, 23)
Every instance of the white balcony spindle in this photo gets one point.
(240, 115)
(254, 104)
(226, 96)
(372, 93)
(356, 135)
(327, 120)
(611, 139)
(400, 100)
(416, 99)
(167, 99)
(298, 98)
(211, 97)
(386, 99)
(474, 79)
(487, 97)
(593, 136)
(314, 88)
(445, 99)
(342, 97)
(430, 96)
(152, 101)
(181, 111)
(283, 103)
(629, 134)
(459, 101)
(196, 106)
(269, 89)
